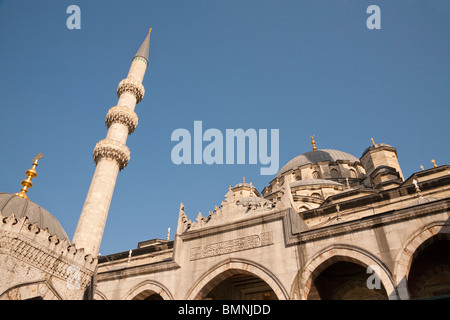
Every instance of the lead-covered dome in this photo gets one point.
(20, 207)
(315, 156)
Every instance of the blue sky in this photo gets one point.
(303, 67)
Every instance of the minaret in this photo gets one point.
(111, 154)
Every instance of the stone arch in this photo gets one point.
(335, 253)
(406, 255)
(229, 267)
(39, 290)
(142, 290)
(316, 195)
(99, 295)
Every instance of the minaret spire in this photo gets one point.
(111, 154)
(143, 50)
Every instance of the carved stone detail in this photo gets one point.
(233, 208)
(133, 86)
(235, 245)
(112, 149)
(40, 255)
(122, 115)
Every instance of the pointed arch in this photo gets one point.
(405, 257)
(41, 290)
(229, 267)
(148, 286)
(340, 252)
(98, 295)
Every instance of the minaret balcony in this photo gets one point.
(112, 149)
(132, 86)
(124, 115)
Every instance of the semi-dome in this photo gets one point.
(20, 207)
(315, 156)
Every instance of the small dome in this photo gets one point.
(315, 156)
(12, 204)
(244, 184)
(248, 186)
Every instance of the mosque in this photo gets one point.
(329, 226)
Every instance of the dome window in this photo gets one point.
(334, 173)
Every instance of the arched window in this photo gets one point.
(316, 195)
(316, 175)
(303, 208)
(334, 173)
(352, 173)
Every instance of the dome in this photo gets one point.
(12, 204)
(315, 156)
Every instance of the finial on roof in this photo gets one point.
(149, 31)
(421, 167)
(373, 142)
(168, 231)
(434, 163)
(313, 142)
(243, 179)
(31, 174)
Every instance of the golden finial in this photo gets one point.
(421, 167)
(434, 163)
(373, 142)
(243, 179)
(31, 173)
(150, 31)
(313, 142)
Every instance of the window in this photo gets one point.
(352, 173)
(303, 208)
(316, 175)
(334, 173)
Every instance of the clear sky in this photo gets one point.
(302, 67)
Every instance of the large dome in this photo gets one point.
(315, 156)
(12, 204)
